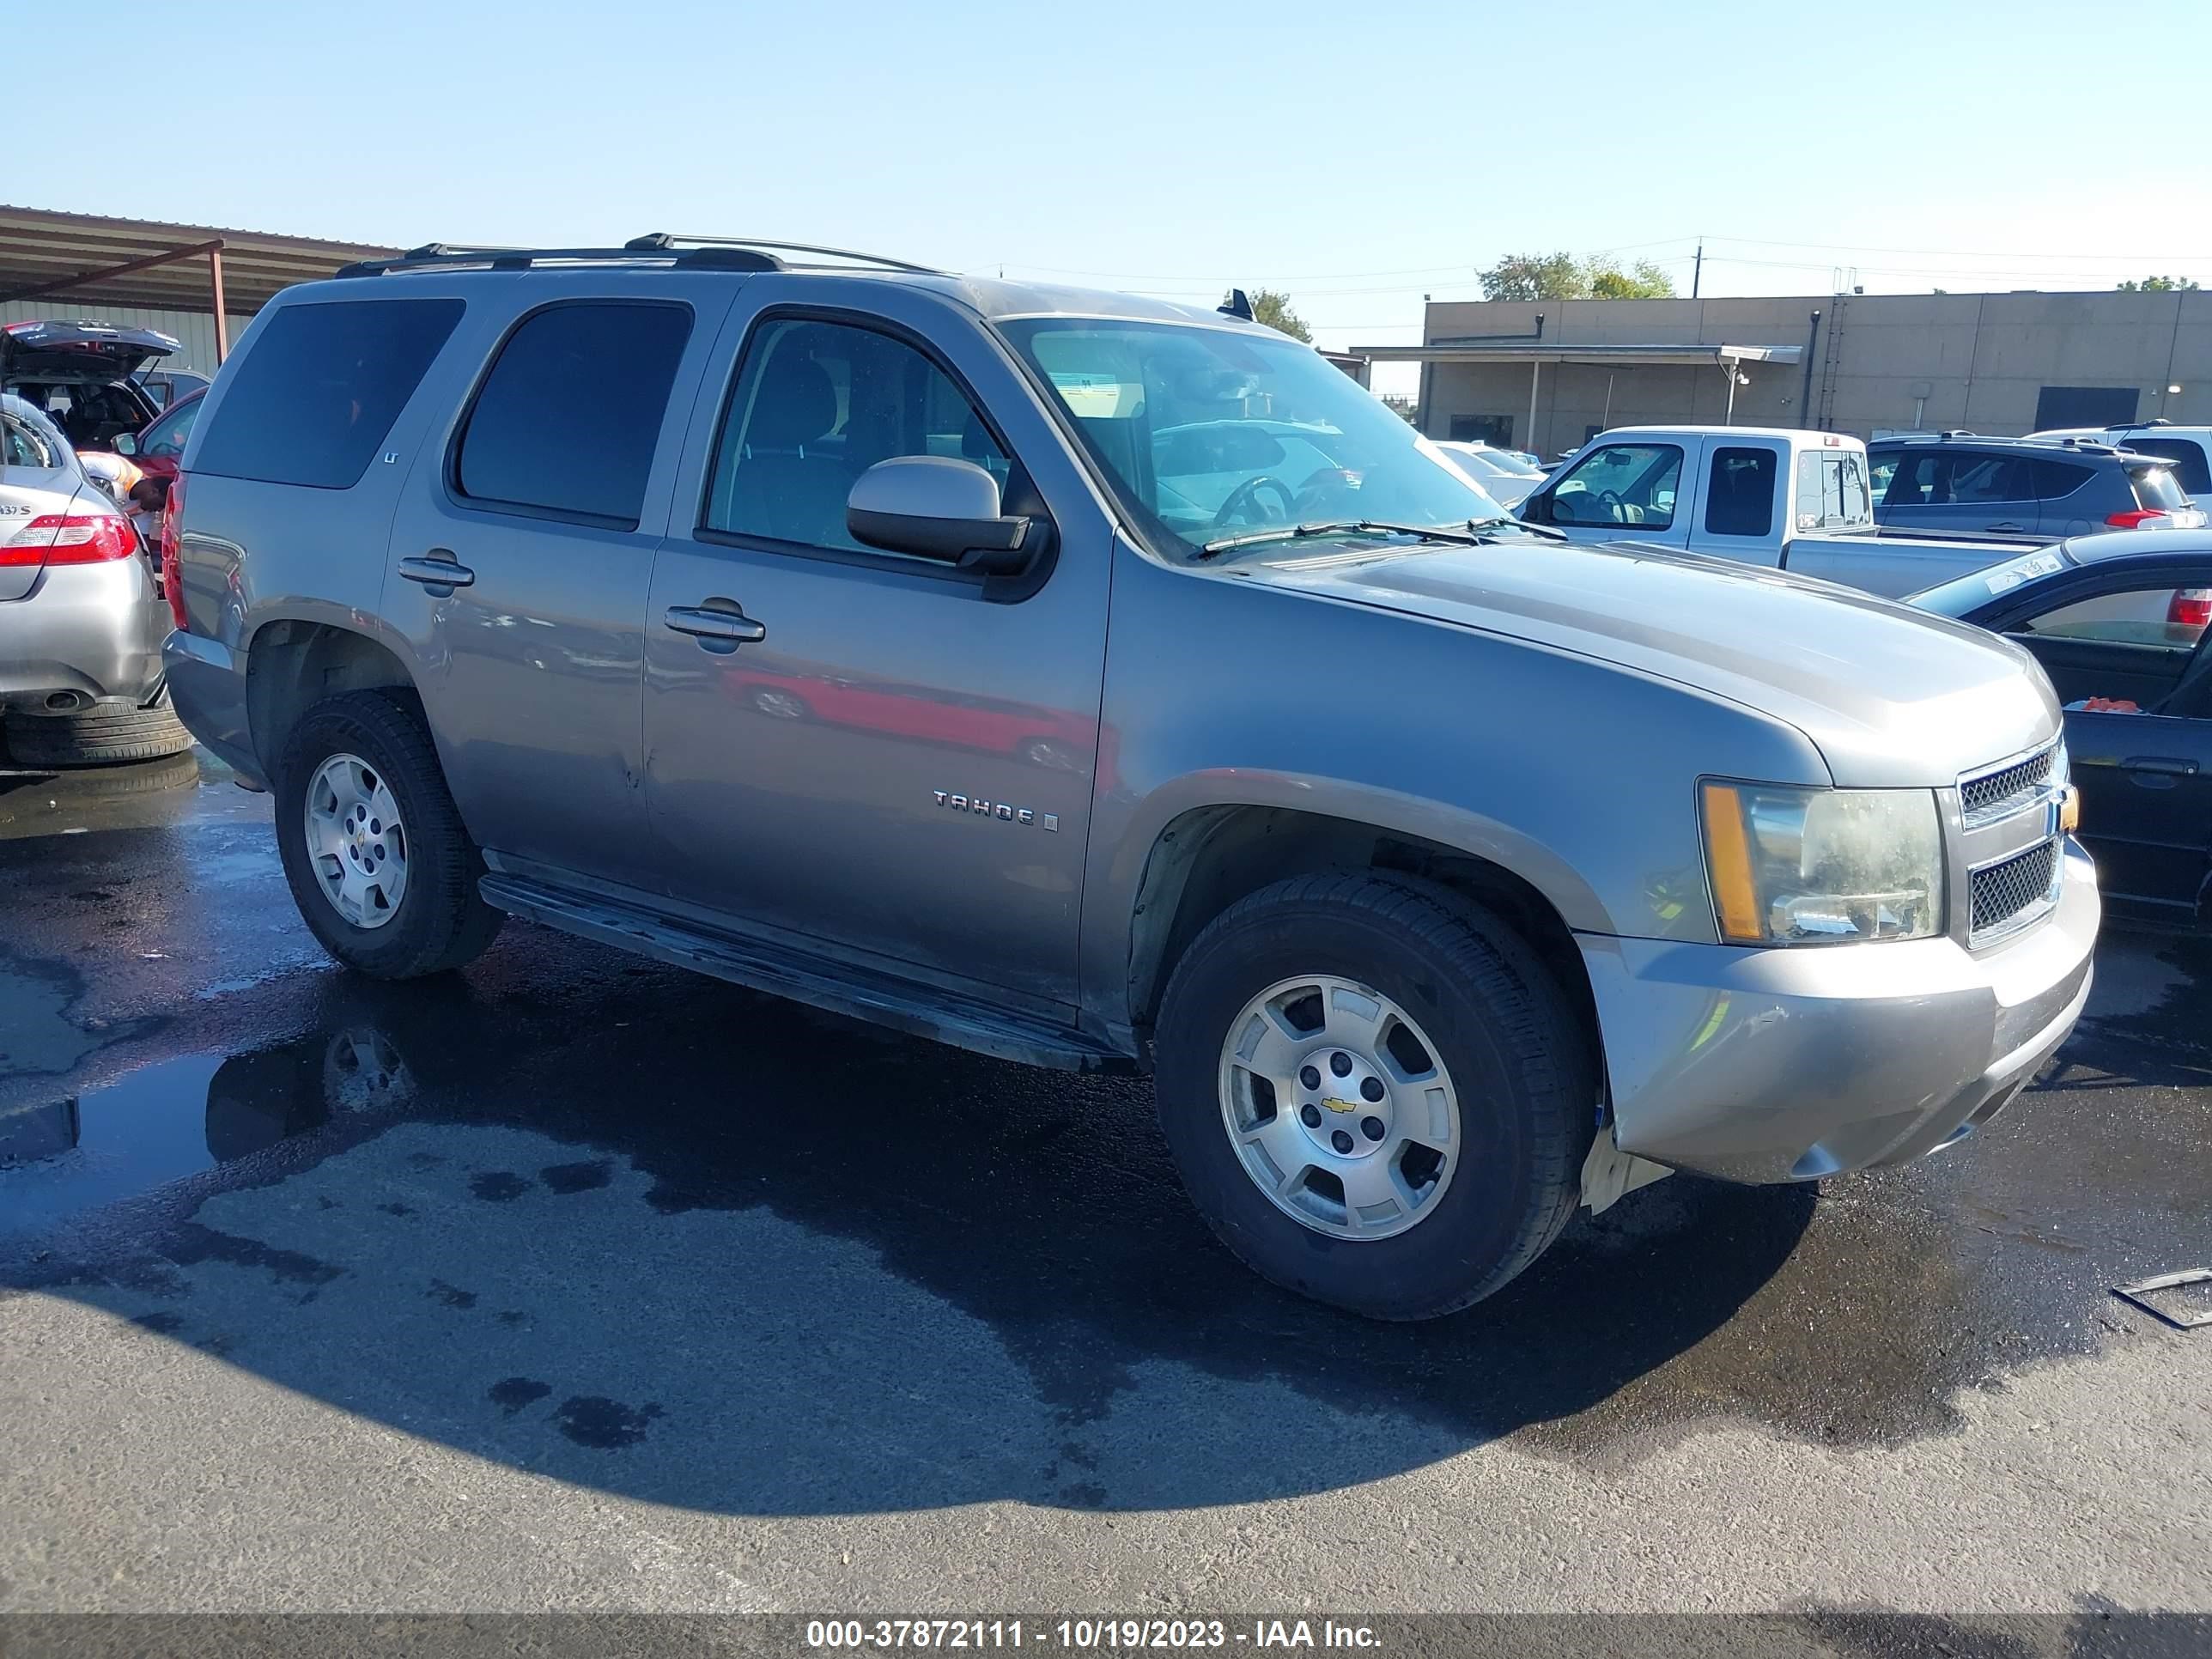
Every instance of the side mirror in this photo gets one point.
(125, 443)
(936, 507)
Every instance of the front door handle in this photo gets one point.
(712, 622)
(436, 571)
(2160, 765)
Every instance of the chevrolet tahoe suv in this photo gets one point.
(1097, 683)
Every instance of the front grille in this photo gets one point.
(1999, 794)
(2014, 892)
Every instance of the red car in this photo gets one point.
(160, 445)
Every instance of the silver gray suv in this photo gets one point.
(1097, 683)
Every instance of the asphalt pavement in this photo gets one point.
(575, 1281)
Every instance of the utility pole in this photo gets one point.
(1697, 270)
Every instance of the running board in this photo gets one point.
(818, 982)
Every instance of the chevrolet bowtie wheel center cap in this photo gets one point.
(1343, 1103)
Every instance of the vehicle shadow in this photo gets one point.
(711, 1250)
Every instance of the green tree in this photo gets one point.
(1274, 310)
(1535, 276)
(1402, 407)
(2162, 285)
(1562, 276)
(1641, 281)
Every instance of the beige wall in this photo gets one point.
(1983, 358)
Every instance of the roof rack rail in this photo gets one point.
(462, 256)
(661, 240)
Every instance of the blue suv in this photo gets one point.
(1956, 483)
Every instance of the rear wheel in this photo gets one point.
(1376, 1095)
(383, 871)
(102, 735)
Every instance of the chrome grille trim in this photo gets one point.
(1997, 792)
(2011, 893)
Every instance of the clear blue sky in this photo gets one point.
(1354, 155)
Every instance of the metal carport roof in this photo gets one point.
(142, 261)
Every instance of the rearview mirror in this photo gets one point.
(125, 443)
(937, 508)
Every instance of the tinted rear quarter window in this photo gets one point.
(319, 391)
(2190, 465)
(2155, 488)
(567, 421)
(2056, 480)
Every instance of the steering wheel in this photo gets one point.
(1610, 499)
(1244, 496)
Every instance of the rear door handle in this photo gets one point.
(709, 622)
(433, 571)
(2167, 765)
(2008, 527)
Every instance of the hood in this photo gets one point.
(1892, 697)
(59, 353)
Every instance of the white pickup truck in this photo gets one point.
(1793, 500)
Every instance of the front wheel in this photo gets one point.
(373, 848)
(1376, 1096)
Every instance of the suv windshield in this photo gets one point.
(1211, 432)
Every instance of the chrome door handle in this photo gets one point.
(437, 573)
(704, 621)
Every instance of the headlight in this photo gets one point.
(1794, 867)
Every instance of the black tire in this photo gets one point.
(441, 921)
(1521, 1061)
(102, 735)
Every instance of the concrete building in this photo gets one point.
(1549, 374)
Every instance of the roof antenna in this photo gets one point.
(1239, 306)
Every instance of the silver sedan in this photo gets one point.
(81, 613)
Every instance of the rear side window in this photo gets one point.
(22, 444)
(2155, 488)
(2189, 465)
(2056, 480)
(320, 389)
(1833, 492)
(1988, 480)
(567, 421)
(1740, 493)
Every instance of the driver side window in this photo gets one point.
(817, 404)
(1625, 485)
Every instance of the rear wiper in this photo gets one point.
(1477, 532)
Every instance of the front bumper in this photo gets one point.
(207, 688)
(1796, 1063)
(92, 629)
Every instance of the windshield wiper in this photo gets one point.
(1477, 532)
(1542, 532)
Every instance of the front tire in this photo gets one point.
(1424, 1031)
(378, 862)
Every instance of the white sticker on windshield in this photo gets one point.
(1097, 397)
(2007, 577)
